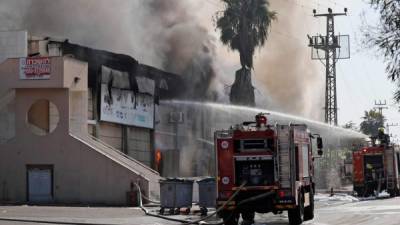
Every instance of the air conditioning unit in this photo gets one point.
(176, 117)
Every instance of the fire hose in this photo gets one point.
(148, 199)
(199, 221)
(243, 202)
(255, 198)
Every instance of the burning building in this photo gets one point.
(122, 94)
(78, 123)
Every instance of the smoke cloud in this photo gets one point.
(179, 36)
(185, 47)
(293, 82)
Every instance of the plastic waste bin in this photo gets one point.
(176, 194)
(207, 194)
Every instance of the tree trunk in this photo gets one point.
(242, 91)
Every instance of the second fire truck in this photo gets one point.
(376, 168)
(265, 168)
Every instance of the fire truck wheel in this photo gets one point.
(393, 193)
(230, 218)
(357, 190)
(309, 210)
(248, 218)
(296, 215)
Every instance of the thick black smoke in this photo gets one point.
(160, 33)
(188, 47)
(178, 36)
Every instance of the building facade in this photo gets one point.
(50, 158)
(77, 124)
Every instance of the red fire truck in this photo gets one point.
(376, 168)
(263, 168)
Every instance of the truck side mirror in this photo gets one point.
(320, 145)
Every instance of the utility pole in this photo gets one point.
(391, 125)
(331, 46)
(381, 106)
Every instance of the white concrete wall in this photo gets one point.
(78, 112)
(7, 117)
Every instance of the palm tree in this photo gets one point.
(372, 121)
(244, 26)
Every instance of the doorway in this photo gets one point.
(39, 183)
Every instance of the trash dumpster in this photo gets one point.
(176, 194)
(207, 194)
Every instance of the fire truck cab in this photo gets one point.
(376, 168)
(263, 168)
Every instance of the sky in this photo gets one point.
(361, 80)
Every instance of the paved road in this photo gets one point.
(372, 212)
(33, 215)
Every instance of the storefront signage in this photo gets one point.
(125, 107)
(35, 68)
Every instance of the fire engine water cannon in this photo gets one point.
(261, 121)
(265, 168)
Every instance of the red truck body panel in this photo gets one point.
(239, 157)
(375, 175)
(358, 161)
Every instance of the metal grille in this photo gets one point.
(389, 155)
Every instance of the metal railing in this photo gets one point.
(98, 145)
(122, 154)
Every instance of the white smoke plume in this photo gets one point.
(293, 82)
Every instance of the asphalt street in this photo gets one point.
(372, 212)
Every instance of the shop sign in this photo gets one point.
(35, 68)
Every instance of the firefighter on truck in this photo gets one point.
(263, 168)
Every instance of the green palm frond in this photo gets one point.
(244, 26)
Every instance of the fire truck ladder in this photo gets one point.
(284, 156)
(389, 158)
